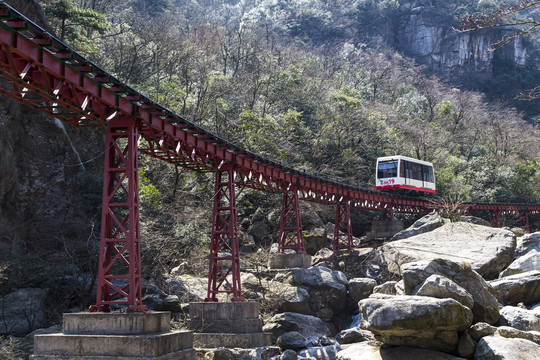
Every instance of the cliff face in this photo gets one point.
(434, 42)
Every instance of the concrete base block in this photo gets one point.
(289, 261)
(118, 336)
(229, 340)
(385, 228)
(227, 324)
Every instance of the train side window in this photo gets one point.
(402, 168)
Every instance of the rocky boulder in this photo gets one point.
(327, 289)
(366, 351)
(485, 308)
(306, 325)
(415, 320)
(388, 288)
(528, 262)
(427, 223)
(361, 288)
(489, 250)
(527, 243)
(314, 240)
(521, 319)
(354, 335)
(501, 348)
(22, 312)
(524, 287)
(441, 287)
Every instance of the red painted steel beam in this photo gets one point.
(224, 262)
(343, 238)
(290, 229)
(119, 267)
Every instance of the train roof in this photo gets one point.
(401, 157)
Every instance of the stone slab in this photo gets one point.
(187, 354)
(225, 325)
(137, 323)
(289, 261)
(224, 310)
(385, 228)
(153, 345)
(228, 340)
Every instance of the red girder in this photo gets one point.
(224, 264)
(43, 73)
(343, 239)
(119, 267)
(290, 229)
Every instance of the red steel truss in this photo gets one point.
(43, 73)
(224, 274)
(119, 268)
(290, 229)
(343, 239)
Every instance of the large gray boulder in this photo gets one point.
(528, 262)
(419, 321)
(486, 306)
(306, 325)
(521, 319)
(21, 311)
(489, 250)
(366, 351)
(427, 223)
(361, 288)
(441, 287)
(527, 243)
(327, 289)
(524, 287)
(501, 348)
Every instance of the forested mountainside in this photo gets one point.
(324, 86)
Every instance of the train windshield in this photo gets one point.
(387, 169)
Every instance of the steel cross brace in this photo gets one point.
(343, 239)
(494, 218)
(290, 230)
(524, 220)
(119, 268)
(224, 262)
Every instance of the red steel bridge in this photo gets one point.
(41, 72)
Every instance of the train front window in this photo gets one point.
(387, 169)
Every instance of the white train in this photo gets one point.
(401, 172)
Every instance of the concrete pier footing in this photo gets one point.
(118, 336)
(385, 228)
(227, 324)
(289, 261)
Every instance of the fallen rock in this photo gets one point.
(524, 287)
(481, 329)
(466, 346)
(528, 262)
(354, 335)
(292, 340)
(489, 250)
(425, 224)
(306, 325)
(485, 308)
(328, 352)
(510, 332)
(527, 243)
(388, 288)
(314, 240)
(361, 288)
(21, 311)
(365, 351)
(521, 319)
(497, 347)
(441, 287)
(327, 289)
(420, 321)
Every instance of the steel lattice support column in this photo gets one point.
(290, 229)
(524, 220)
(119, 268)
(494, 218)
(343, 239)
(388, 213)
(224, 264)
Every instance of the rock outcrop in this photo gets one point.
(488, 250)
